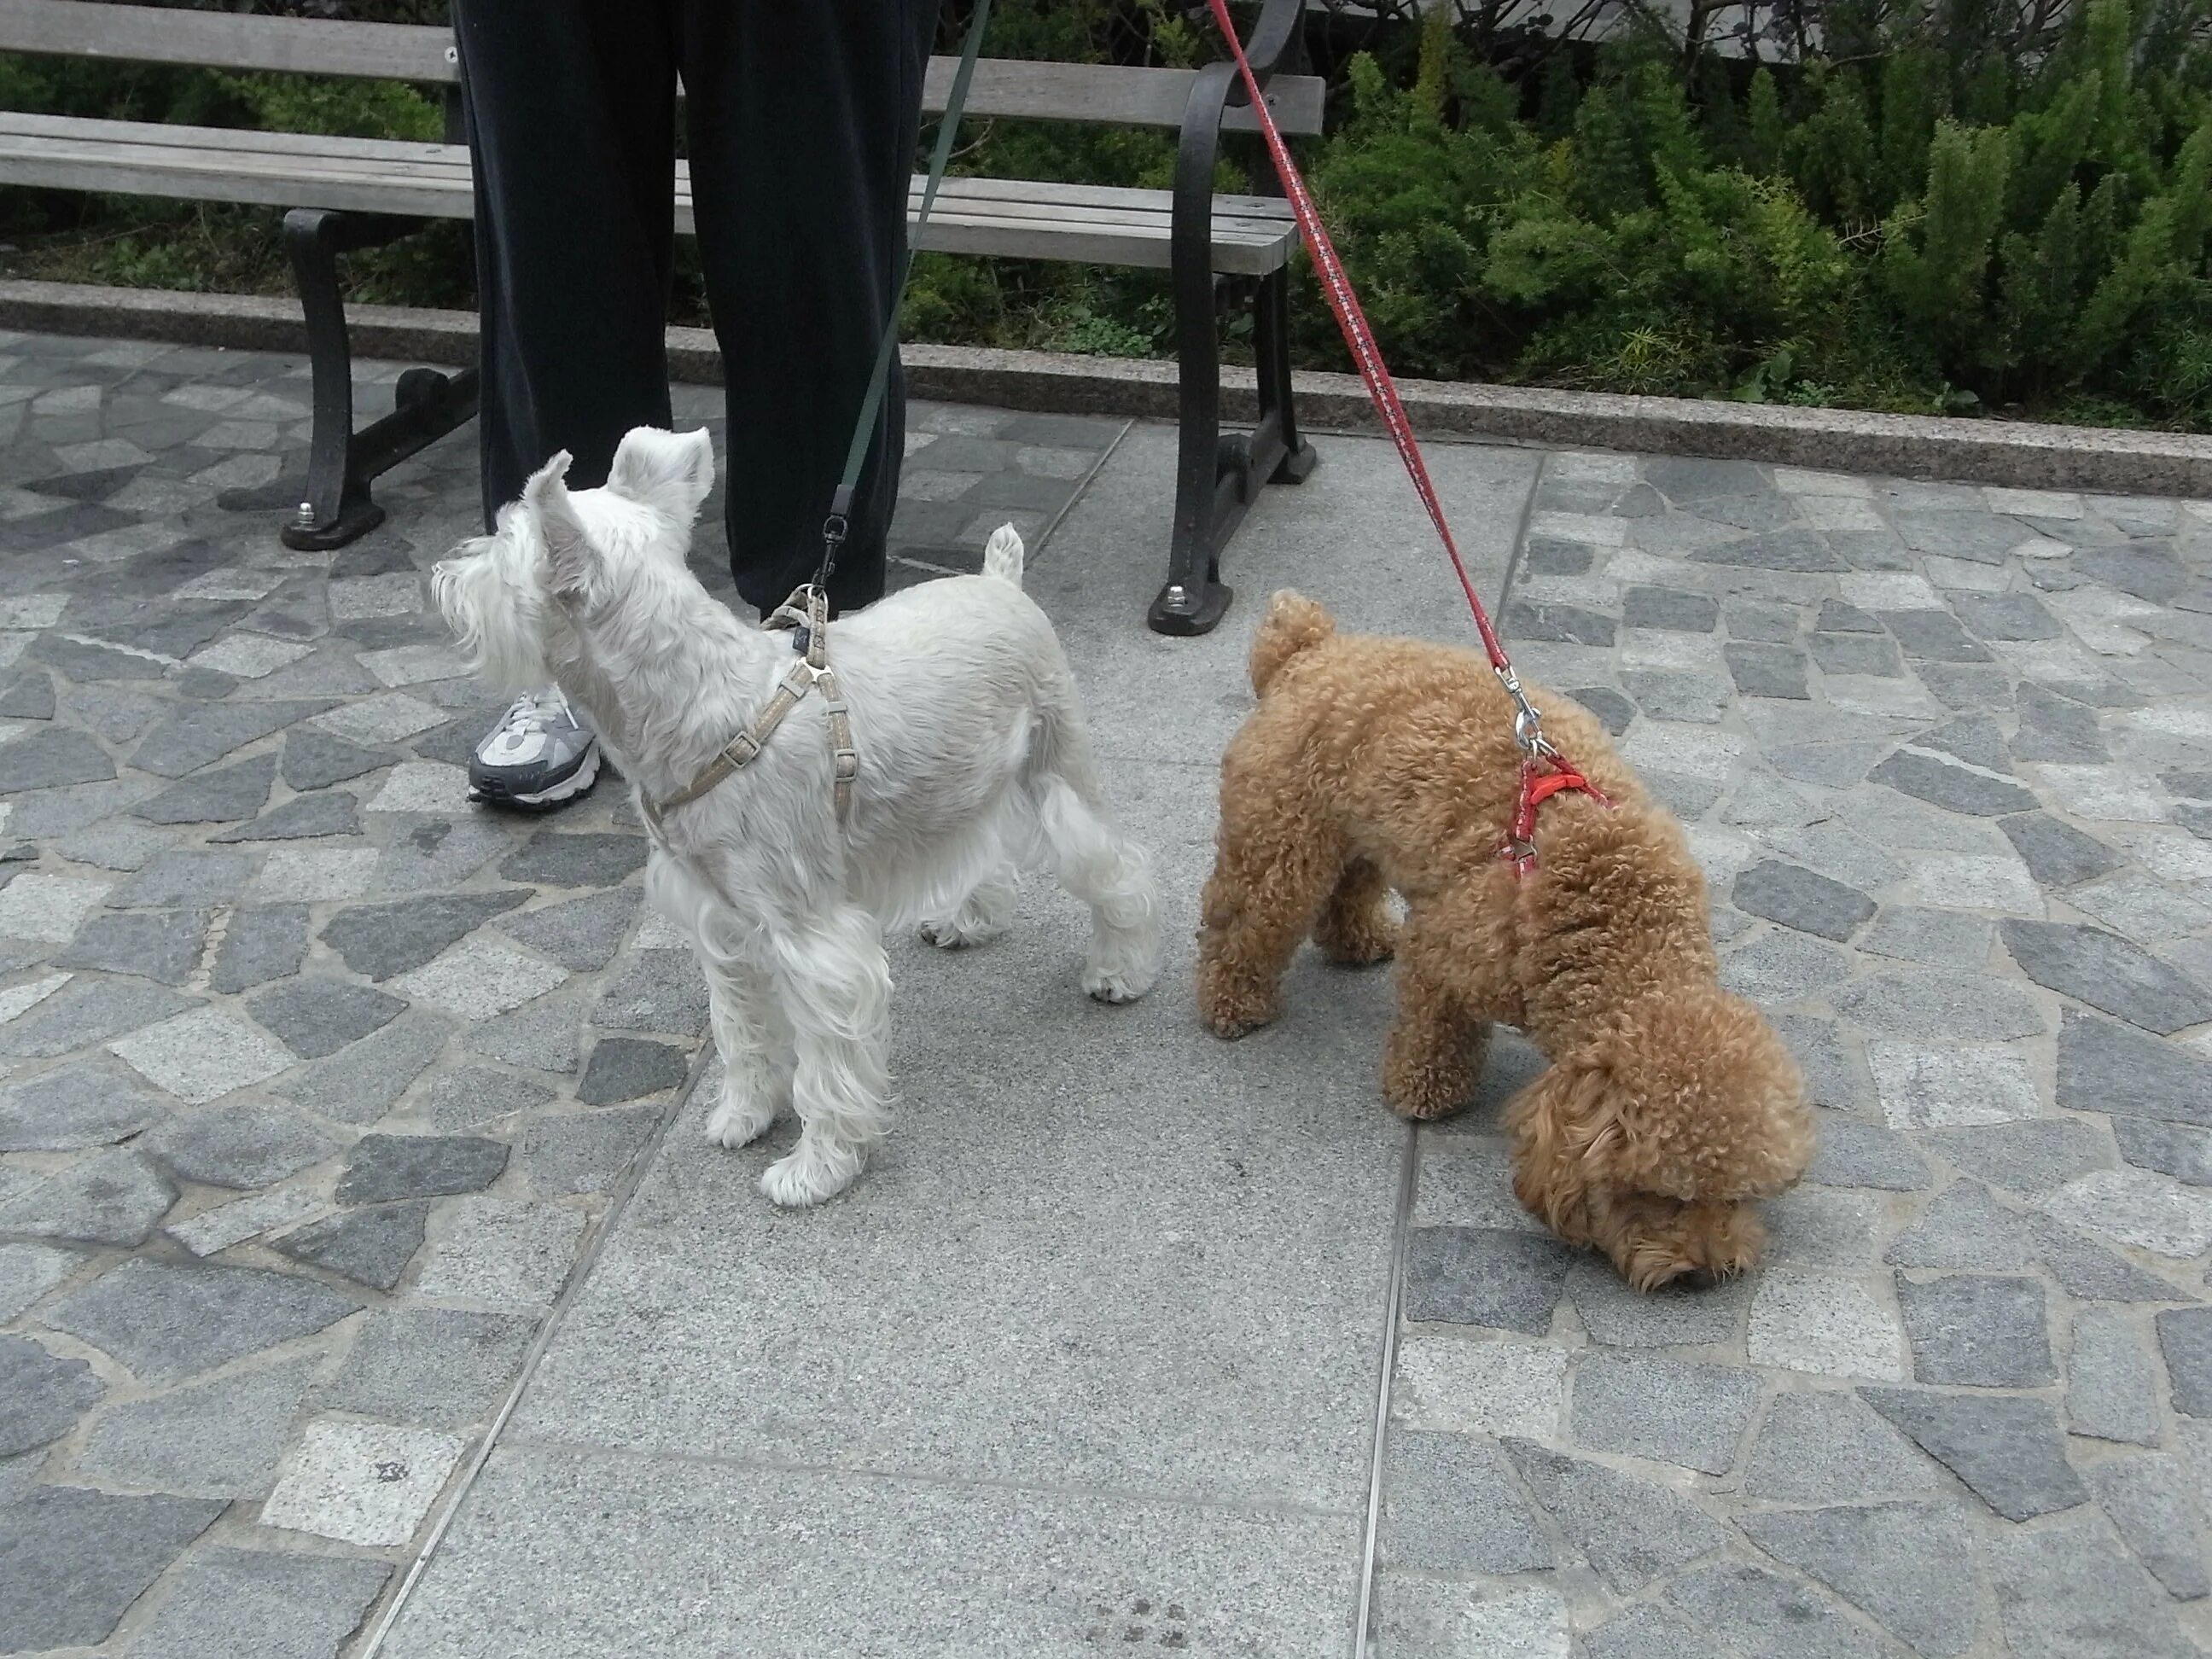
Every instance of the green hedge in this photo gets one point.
(1910, 232)
(1964, 208)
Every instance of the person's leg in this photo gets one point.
(802, 122)
(571, 118)
(570, 107)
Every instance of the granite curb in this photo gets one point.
(2020, 454)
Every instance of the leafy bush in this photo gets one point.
(1923, 232)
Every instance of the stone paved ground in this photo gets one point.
(1946, 755)
(314, 1081)
(318, 1084)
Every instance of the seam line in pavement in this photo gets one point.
(923, 1477)
(1030, 555)
(1409, 1165)
(1520, 551)
(625, 1191)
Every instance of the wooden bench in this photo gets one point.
(345, 194)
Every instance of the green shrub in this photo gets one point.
(1965, 224)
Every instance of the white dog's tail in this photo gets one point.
(1002, 556)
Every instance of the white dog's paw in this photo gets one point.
(981, 917)
(1119, 977)
(752, 1094)
(739, 1122)
(962, 932)
(814, 1170)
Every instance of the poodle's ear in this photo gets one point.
(571, 562)
(1567, 1132)
(669, 471)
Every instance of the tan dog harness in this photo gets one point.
(812, 671)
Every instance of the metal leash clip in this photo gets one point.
(1527, 724)
(834, 529)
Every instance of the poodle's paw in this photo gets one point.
(1422, 1093)
(1233, 1006)
(815, 1170)
(1231, 1020)
(1358, 941)
(1230, 1030)
(1431, 1066)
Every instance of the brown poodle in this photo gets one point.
(1379, 764)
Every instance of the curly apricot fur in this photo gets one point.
(1373, 765)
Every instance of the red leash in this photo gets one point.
(1545, 772)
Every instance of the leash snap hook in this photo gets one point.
(834, 529)
(1527, 723)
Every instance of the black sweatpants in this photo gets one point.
(801, 123)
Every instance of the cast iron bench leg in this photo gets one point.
(1218, 475)
(1271, 336)
(336, 507)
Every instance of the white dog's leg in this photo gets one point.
(836, 986)
(1108, 872)
(749, 1035)
(981, 916)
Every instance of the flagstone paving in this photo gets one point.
(319, 1084)
(1942, 752)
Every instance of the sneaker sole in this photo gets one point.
(557, 793)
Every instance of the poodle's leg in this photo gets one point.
(1356, 928)
(835, 985)
(1433, 1056)
(755, 1049)
(979, 917)
(1275, 864)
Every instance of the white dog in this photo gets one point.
(974, 764)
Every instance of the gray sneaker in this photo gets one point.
(537, 757)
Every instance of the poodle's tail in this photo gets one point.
(1293, 623)
(1002, 556)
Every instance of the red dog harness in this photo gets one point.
(1545, 772)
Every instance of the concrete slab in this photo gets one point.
(564, 1552)
(1170, 1251)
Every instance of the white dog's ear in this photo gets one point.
(568, 556)
(672, 471)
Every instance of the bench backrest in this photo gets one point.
(1104, 93)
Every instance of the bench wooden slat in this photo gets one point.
(222, 39)
(1132, 248)
(1011, 218)
(1035, 189)
(1104, 94)
(372, 157)
(159, 136)
(402, 156)
(1109, 94)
